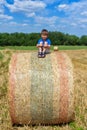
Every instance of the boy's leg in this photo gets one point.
(39, 46)
(39, 52)
(39, 49)
(46, 46)
(44, 49)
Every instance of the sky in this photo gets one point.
(67, 16)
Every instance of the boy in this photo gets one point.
(43, 43)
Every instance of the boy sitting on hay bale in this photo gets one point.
(43, 44)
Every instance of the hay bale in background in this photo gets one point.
(55, 48)
(40, 90)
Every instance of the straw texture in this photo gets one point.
(40, 89)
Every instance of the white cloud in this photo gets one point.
(24, 24)
(55, 1)
(83, 27)
(83, 21)
(1, 6)
(39, 14)
(12, 23)
(50, 1)
(62, 7)
(5, 17)
(1, 10)
(73, 24)
(2, 1)
(31, 14)
(26, 6)
(84, 13)
(75, 13)
(73, 8)
(46, 20)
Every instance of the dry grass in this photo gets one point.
(79, 59)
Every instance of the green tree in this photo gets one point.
(30, 39)
(83, 40)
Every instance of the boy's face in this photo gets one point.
(44, 36)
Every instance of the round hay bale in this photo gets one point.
(55, 48)
(40, 90)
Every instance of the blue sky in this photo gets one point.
(68, 16)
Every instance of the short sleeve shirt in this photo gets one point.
(46, 41)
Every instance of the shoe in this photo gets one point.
(43, 54)
(39, 54)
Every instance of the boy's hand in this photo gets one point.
(39, 45)
(46, 45)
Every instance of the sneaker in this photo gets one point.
(39, 54)
(43, 54)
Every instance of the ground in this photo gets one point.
(79, 61)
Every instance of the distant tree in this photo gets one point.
(4, 39)
(30, 39)
(71, 40)
(83, 40)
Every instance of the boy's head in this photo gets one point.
(44, 34)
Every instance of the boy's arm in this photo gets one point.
(49, 42)
(39, 44)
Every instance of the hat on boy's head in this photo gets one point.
(44, 31)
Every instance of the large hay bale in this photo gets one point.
(40, 90)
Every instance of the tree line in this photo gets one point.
(31, 39)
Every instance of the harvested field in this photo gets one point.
(79, 60)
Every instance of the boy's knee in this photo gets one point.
(39, 45)
(47, 46)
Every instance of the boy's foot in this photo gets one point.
(39, 54)
(43, 54)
